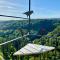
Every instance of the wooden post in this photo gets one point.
(27, 57)
(34, 57)
(29, 14)
(14, 58)
(47, 55)
(21, 57)
(43, 56)
(40, 56)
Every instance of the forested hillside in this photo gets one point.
(49, 29)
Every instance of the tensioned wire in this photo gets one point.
(12, 7)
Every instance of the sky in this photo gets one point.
(41, 8)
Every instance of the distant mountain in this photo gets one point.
(43, 26)
(39, 25)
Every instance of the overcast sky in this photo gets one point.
(41, 8)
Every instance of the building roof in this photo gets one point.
(31, 49)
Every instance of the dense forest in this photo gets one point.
(48, 29)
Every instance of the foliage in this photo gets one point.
(13, 29)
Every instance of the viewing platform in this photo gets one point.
(33, 50)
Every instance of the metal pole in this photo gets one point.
(29, 14)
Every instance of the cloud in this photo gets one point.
(17, 7)
(9, 6)
(46, 13)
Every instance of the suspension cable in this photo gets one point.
(13, 40)
(12, 16)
